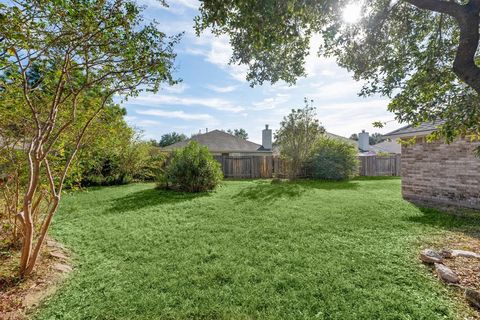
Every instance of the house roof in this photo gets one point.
(219, 141)
(391, 146)
(336, 136)
(420, 130)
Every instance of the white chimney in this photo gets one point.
(267, 138)
(363, 141)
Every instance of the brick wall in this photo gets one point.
(441, 174)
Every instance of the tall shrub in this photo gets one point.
(334, 160)
(191, 169)
(296, 137)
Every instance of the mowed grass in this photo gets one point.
(250, 250)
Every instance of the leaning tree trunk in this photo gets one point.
(26, 215)
(468, 19)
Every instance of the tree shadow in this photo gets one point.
(268, 191)
(467, 222)
(151, 198)
(381, 178)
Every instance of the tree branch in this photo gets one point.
(467, 17)
(448, 7)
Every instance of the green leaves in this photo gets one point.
(397, 49)
(191, 169)
(334, 159)
(297, 136)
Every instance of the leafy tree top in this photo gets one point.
(239, 133)
(171, 138)
(421, 53)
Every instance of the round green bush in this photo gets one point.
(191, 169)
(334, 159)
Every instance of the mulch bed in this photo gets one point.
(467, 269)
(19, 298)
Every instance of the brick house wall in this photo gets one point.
(441, 174)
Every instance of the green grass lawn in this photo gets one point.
(250, 250)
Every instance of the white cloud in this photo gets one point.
(218, 51)
(271, 102)
(347, 118)
(221, 89)
(132, 120)
(178, 88)
(176, 115)
(316, 65)
(326, 90)
(192, 4)
(213, 103)
(174, 6)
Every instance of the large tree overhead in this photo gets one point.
(61, 63)
(421, 53)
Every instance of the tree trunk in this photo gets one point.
(464, 65)
(467, 17)
(43, 233)
(28, 227)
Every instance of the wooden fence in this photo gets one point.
(372, 166)
(247, 166)
(255, 167)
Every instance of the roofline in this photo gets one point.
(186, 141)
(226, 151)
(408, 134)
(241, 151)
(415, 131)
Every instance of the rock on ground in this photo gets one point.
(465, 254)
(430, 256)
(473, 297)
(446, 274)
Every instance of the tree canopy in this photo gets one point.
(171, 138)
(420, 53)
(61, 63)
(239, 133)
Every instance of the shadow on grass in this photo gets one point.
(268, 191)
(377, 178)
(151, 198)
(465, 222)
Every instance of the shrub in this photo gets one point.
(191, 169)
(383, 154)
(334, 160)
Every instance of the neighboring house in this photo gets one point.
(276, 149)
(436, 172)
(387, 146)
(336, 136)
(221, 143)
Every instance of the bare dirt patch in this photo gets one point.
(19, 298)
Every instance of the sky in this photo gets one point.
(215, 95)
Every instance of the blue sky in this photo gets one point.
(215, 95)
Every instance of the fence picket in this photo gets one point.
(268, 166)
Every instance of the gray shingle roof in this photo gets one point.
(420, 130)
(336, 136)
(387, 146)
(219, 141)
